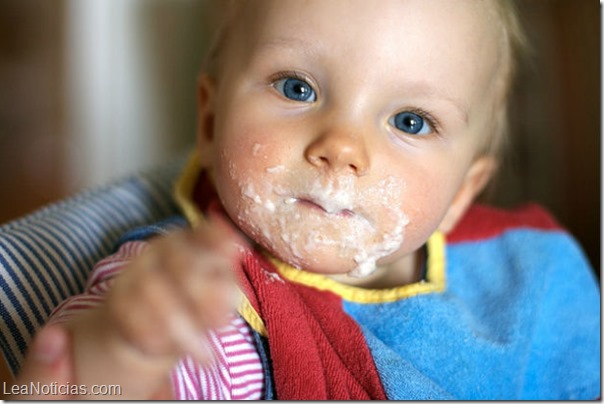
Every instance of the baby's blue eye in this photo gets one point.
(411, 123)
(296, 89)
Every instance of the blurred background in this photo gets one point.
(91, 90)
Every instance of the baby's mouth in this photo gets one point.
(310, 203)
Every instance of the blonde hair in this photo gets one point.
(517, 48)
(223, 16)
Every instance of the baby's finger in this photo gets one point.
(177, 316)
(143, 308)
(220, 234)
(48, 362)
(205, 280)
(209, 288)
(157, 310)
(188, 338)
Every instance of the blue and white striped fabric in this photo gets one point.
(45, 257)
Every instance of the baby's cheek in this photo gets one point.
(417, 234)
(424, 219)
(412, 203)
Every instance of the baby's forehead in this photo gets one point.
(256, 20)
(339, 10)
(253, 13)
(473, 24)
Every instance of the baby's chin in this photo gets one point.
(324, 260)
(321, 261)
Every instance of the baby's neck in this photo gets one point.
(404, 271)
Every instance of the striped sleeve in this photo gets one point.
(236, 370)
(235, 373)
(99, 282)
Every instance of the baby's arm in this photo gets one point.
(157, 310)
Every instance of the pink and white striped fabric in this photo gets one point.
(235, 373)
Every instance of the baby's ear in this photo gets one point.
(477, 177)
(205, 117)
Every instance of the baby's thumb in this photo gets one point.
(47, 373)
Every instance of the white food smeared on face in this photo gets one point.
(304, 216)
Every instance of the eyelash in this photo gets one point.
(290, 74)
(427, 116)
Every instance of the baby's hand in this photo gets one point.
(180, 287)
(160, 307)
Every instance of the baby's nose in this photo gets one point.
(339, 151)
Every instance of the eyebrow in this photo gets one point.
(289, 43)
(284, 42)
(432, 92)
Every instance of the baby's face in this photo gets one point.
(344, 129)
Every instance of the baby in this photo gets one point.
(336, 253)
